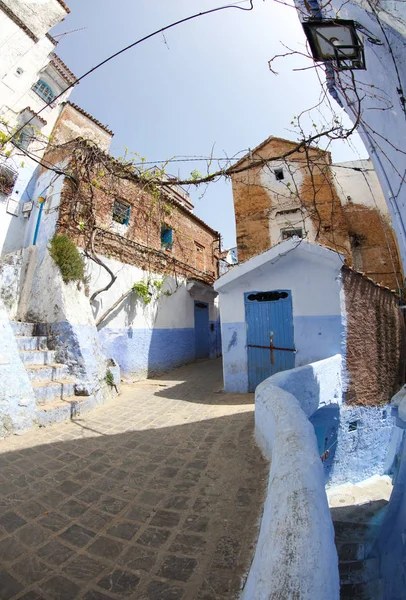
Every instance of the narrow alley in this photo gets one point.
(155, 496)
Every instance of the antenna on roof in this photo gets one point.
(61, 35)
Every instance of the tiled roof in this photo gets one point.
(51, 39)
(64, 6)
(62, 69)
(264, 143)
(35, 114)
(89, 116)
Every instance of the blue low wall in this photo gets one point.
(144, 352)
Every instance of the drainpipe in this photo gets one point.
(41, 200)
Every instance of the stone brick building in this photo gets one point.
(134, 229)
(136, 222)
(301, 193)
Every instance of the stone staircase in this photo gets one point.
(356, 529)
(53, 386)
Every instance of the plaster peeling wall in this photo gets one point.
(17, 400)
(66, 314)
(281, 198)
(315, 285)
(363, 442)
(149, 339)
(295, 555)
(11, 267)
(38, 15)
(63, 309)
(72, 124)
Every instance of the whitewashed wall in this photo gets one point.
(295, 555)
(359, 187)
(312, 273)
(21, 61)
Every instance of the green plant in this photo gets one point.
(142, 290)
(67, 257)
(109, 378)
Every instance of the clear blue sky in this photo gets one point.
(207, 84)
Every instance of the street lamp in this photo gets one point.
(335, 40)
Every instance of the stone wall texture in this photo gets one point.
(311, 189)
(375, 341)
(195, 248)
(308, 198)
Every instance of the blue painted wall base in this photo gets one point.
(147, 352)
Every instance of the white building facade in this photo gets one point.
(31, 76)
(381, 114)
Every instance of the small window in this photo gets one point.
(121, 212)
(353, 426)
(23, 138)
(289, 233)
(166, 238)
(279, 175)
(44, 91)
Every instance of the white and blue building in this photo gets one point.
(290, 295)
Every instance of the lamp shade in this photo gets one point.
(335, 40)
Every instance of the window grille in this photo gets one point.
(121, 212)
(23, 138)
(44, 91)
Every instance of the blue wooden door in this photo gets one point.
(269, 319)
(201, 329)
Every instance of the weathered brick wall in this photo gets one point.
(254, 201)
(377, 253)
(375, 341)
(327, 221)
(73, 122)
(195, 246)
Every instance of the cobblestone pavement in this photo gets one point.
(154, 496)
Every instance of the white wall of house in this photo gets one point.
(356, 182)
(312, 273)
(24, 59)
(287, 212)
(382, 126)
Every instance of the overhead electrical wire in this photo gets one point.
(143, 39)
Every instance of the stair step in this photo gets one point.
(62, 410)
(34, 342)
(37, 357)
(348, 531)
(49, 391)
(47, 373)
(358, 571)
(371, 590)
(353, 550)
(23, 328)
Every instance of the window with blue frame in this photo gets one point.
(121, 212)
(24, 137)
(166, 237)
(44, 90)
